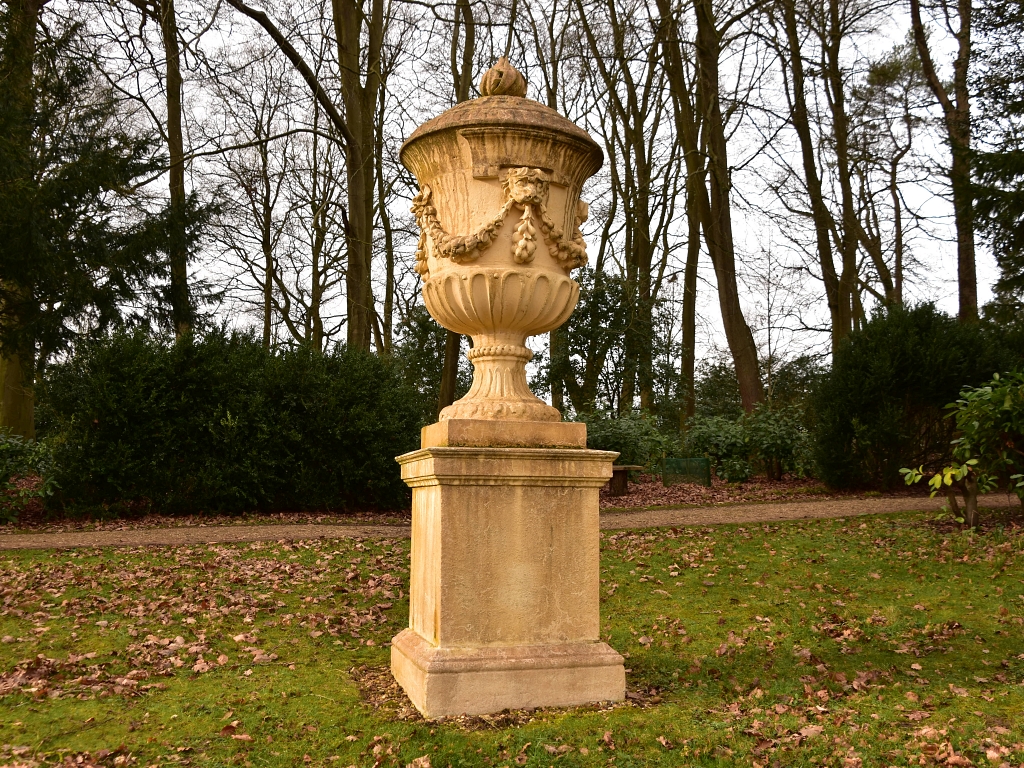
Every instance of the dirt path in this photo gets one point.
(777, 511)
(736, 513)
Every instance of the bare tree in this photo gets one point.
(703, 134)
(463, 48)
(254, 112)
(163, 14)
(644, 167)
(955, 16)
(886, 109)
(687, 114)
(359, 27)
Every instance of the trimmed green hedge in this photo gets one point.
(220, 424)
(881, 406)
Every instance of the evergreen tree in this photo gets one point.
(77, 243)
(999, 181)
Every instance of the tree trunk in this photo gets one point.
(848, 275)
(898, 247)
(449, 371)
(971, 517)
(267, 244)
(177, 251)
(17, 404)
(820, 215)
(384, 347)
(956, 112)
(717, 218)
(360, 102)
(687, 369)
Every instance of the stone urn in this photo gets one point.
(504, 585)
(499, 213)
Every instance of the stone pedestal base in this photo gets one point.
(475, 681)
(504, 585)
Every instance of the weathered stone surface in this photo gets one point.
(499, 213)
(484, 433)
(504, 606)
(504, 585)
(477, 681)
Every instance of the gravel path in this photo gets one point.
(776, 511)
(655, 518)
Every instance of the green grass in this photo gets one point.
(874, 642)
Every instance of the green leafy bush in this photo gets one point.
(220, 424)
(22, 460)
(880, 407)
(719, 438)
(777, 440)
(990, 428)
(988, 450)
(734, 470)
(635, 436)
(769, 440)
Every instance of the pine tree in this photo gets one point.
(999, 180)
(76, 242)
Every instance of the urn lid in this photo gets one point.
(503, 103)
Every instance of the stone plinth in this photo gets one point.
(504, 589)
(481, 433)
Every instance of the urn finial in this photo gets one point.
(503, 80)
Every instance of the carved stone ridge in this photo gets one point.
(525, 189)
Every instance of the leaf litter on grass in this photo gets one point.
(794, 651)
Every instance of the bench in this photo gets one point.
(618, 485)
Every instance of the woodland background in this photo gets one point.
(779, 175)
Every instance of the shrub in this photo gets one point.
(25, 474)
(777, 440)
(772, 440)
(719, 438)
(988, 450)
(880, 407)
(635, 436)
(716, 390)
(220, 424)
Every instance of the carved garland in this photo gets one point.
(525, 189)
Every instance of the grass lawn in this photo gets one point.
(866, 642)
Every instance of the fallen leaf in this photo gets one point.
(664, 742)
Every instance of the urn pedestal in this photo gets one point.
(504, 586)
(504, 597)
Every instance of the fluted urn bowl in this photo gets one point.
(499, 213)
